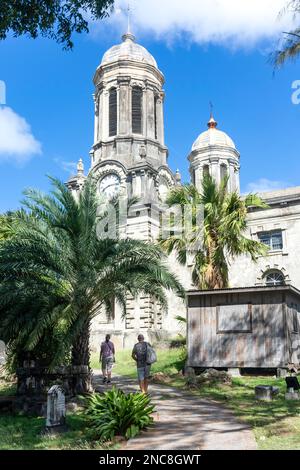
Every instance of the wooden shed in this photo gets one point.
(253, 327)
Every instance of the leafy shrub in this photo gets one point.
(177, 342)
(116, 413)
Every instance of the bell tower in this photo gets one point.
(129, 156)
(214, 152)
(129, 119)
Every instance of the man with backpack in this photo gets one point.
(107, 358)
(145, 356)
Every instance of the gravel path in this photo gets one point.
(185, 422)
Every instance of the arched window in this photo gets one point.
(223, 171)
(113, 112)
(274, 278)
(137, 104)
(205, 171)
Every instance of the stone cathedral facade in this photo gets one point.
(129, 157)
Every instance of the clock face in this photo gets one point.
(163, 189)
(110, 185)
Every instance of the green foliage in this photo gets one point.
(290, 45)
(218, 237)
(118, 414)
(57, 272)
(169, 362)
(26, 433)
(55, 19)
(7, 225)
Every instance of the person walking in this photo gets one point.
(107, 358)
(144, 356)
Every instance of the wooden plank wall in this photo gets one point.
(264, 346)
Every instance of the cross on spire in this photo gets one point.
(128, 36)
(128, 18)
(212, 124)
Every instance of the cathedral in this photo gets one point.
(129, 157)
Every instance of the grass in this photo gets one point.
(7, 389)
(169, 362)
(276, 424)
(25, 433)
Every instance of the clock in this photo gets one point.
(163, 189)
(110, 185)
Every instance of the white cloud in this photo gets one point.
(229, 22)
(265, 185)
(16, 140)
(69, 167)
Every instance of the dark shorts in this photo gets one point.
(143, 372)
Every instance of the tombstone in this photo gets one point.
(265, 392)
(291, 394)
(293, 387)
(56, 409)
(2, 353)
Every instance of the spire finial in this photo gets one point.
(212, 124)
(80, 168)
(128, 18)
(128, 35)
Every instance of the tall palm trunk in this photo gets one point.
(82, 374)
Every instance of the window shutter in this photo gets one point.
(113, 112)
(137, 95)
(205, 171)
(223, 172)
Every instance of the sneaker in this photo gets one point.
(104, 380)
(109, 381)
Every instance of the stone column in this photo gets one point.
(96, 122)
(198, 177)
(133, 184)
(150, 113)
(237, 178)
(215, 169)
(100, 117)
(232, 178)
(124, 109)
(143, 185)
(160, 119)
(105, 115)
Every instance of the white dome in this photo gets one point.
(213, 137)
(128, 50)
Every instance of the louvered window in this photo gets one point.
(223, 172)
(205, 171)
(137, 95)
(113, 112)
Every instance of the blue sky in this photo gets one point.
(52, 89)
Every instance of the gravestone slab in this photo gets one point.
(265, 392)
(56, 409)
(291, 394)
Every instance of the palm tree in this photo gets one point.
(6, 225)
(56, 273)
(290, 48)
(221, 232)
